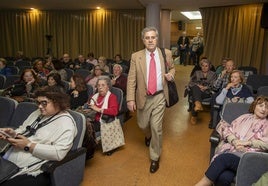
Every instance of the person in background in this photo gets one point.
(80, 62)
(48, 63)
(200, 86)
(59, 68)
(125, 64)
(48, 143)
(102, 62)
(235, 91)
(91, 59)
(220, 83)
(221, 67)
(54, 79)
(183, 47)
(119, 79)
(4, 70)
(247, 133)
(78, 91)
(67, 61)
(24, 88)
(92, 78)
(149, 95)
(39, 69)
(197, 48)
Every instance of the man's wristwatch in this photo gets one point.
(27, 147)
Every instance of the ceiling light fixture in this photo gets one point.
(193, 15)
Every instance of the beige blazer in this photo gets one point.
(136, 85)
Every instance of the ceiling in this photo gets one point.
(175, 5)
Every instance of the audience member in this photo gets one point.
(200, 87)
(91, 59)
(221, 67)
(102, 62)
(78, 91)
(198, 67)
(54, 79)
(25, 87)
(92, 78)
(39, 69)
(67, 61)
(4, 70)
(104, 103)
(119, 79)
(48, 63)
(80, 62)
(59, 68)
(125, 64)
(32, 145)
(248, 133)
(235, 91)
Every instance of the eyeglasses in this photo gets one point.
(42, 103)
(97, 68)
(152, 37)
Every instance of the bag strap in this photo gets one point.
(165, 58)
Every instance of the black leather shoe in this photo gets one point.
(154, 166)
(147, 141)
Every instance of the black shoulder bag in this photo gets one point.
(173, 95)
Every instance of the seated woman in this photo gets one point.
(235, 91)
(25, 87)
(93, 78)
(247, 133)
(39, 69)
(103, 64)
(34, 145)
(200, 86)
(103, 102)
(78, 91)
(54, 79)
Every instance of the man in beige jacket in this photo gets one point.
(150, 106)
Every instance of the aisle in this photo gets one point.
(185, 154)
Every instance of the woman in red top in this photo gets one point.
(104, 103)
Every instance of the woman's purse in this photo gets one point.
(112, 135)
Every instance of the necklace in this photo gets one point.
(101, 100)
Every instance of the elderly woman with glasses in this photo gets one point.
(47, 134)
(92, 78)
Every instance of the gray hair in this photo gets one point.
(148, 29)
(107, 79)
(119, 66)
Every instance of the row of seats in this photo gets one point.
(12, 114)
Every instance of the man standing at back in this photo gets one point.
(147, 91)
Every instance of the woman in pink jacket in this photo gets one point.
(248, 133)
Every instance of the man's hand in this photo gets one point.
(169, 77)
(131, 105)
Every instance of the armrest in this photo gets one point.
(214, 137)
(50, 166)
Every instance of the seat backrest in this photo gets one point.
(14, 70)
(256, 81)
(234, 110)
(2, 81)
(22, 111)
(80, 121)
(10, 80)
(262, 91)
(248, 70)
(23, 63)
(90, 90)
(252, 166)
(82, 72)
(7, 108)
(119, 94)
(69, 72)
(66, 85)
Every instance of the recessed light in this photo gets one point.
(192, 15)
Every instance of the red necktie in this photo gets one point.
(152, 76)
